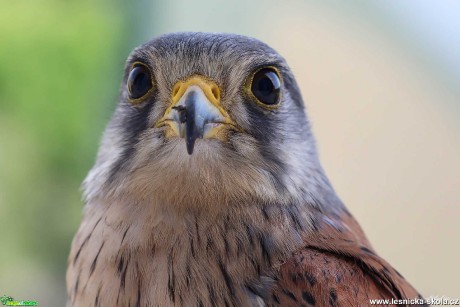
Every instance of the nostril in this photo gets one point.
(215, 92)
(182, 113)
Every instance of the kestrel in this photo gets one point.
(208, 191)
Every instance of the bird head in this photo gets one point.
(206, 119)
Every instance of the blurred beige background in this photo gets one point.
(381, 82)
(381, 86)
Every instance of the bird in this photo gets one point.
(207, 190)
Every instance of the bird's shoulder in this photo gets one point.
(337, 267)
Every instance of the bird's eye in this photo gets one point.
(266, 86)
(139, 81)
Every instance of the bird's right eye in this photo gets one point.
(140, 82)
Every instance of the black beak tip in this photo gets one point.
(190, 142)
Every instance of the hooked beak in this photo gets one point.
(196, 112)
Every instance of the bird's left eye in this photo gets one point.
(139, 81)
(266, 86)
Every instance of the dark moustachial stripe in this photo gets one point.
(265, 128)
(134, 121)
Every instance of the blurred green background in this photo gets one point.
(381, 83)
(60, 69)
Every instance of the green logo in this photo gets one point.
(7, 300)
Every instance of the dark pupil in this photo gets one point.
(266, 86)
(139, 82)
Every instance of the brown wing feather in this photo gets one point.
(337, 267)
